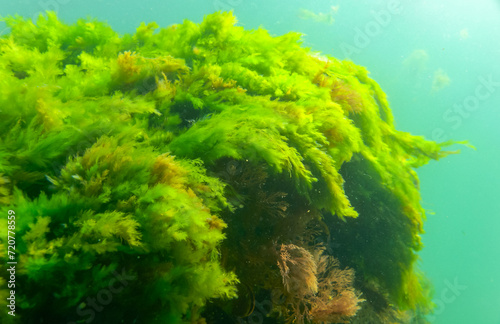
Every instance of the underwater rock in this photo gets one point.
(176, 160)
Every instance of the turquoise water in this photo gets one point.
(439, 65)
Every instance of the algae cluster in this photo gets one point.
(182, 158)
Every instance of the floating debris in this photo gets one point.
(440, 81)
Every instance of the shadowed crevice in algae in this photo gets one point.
(218, 168)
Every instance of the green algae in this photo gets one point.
(184, 155)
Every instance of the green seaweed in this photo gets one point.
(183, 156)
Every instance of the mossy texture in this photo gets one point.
(141, 153)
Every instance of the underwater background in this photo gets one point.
(434, 60)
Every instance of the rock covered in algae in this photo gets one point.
(150, 173)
